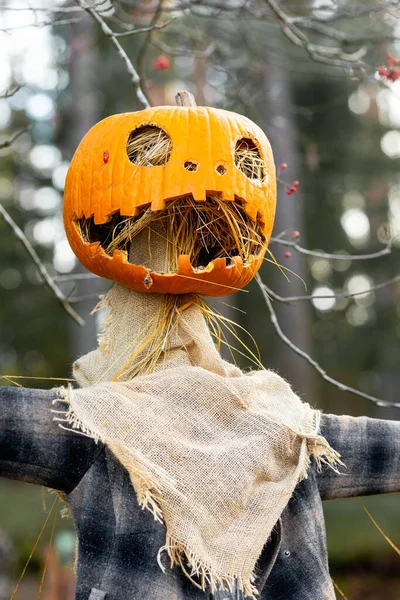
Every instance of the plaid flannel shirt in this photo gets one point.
(118, 542)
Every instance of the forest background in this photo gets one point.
(321, 78)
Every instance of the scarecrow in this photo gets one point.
(231, 468)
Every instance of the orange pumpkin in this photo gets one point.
(107, 178)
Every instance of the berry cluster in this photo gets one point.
(293, 187)
(391, 69)
(295, 236)
(290, 188)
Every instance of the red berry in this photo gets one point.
(162, 63)
(384, 72)
(296, 234)
(287, 254)
(391, 60)
(106, 156)
(284, 166)
(289, 192)
(296, 183)
(394, 74)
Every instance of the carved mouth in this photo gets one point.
(204, 231)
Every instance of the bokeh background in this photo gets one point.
(334, 123)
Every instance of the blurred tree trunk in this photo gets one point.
(83, 114)
(295, 320)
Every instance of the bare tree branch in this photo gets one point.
(311, 361)
(184, 51)
(9, 94)
(356, 12)
(77, 276)
(9, 142)
(79, 299)
(288, 299)
(149, 29)
(332, 55)
(341, 36)
(49, 23)
(61, 298)
(135, 79)
(387, 250)
(49, 9)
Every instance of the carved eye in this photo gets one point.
(148, 146)
(248, 159)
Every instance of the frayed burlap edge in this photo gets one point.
(146, 477)
(181, 555)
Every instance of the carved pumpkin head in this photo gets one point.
(206, 175)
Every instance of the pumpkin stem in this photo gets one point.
(184, 98)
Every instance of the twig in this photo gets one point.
(135, 79)
(78, 299)
(17, 231)
(384, 252)
(49, 9)
(184, 51)
(12, 93)
(332, 55)
(9, 142)
(378, 286)
(359, 11)
(144, 29)
(311, 361)
(340, 36)
(75, 276)
(39, 24)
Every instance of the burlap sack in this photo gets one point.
(213, 452)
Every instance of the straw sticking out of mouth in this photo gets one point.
(202, 230)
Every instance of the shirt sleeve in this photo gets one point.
(370, 450)
(32, 446)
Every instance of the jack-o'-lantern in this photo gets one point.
(205, 176)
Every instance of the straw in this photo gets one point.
(249, 160)
(204, 231)
(149, 146)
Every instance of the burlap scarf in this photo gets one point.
(213, 452)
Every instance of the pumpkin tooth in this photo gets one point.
(158, 204)
(184, 264)
(228, 196)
